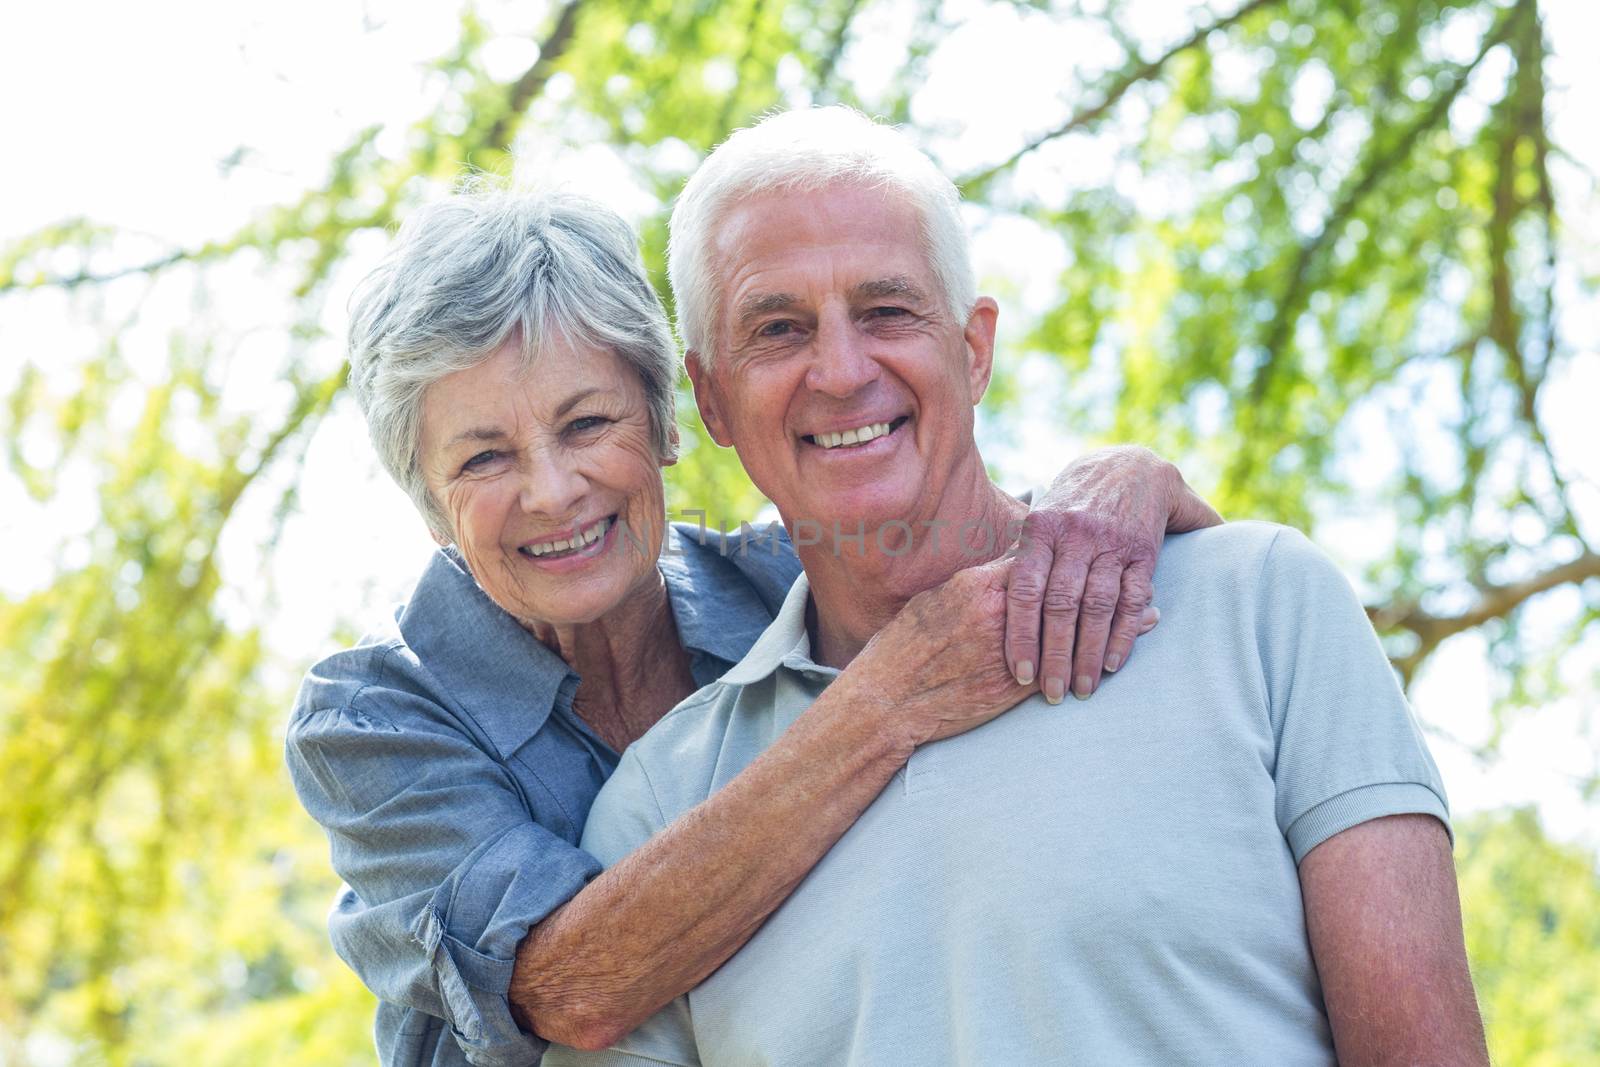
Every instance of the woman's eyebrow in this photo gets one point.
(575, 399)
(477, 433)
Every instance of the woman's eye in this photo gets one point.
(479, 460)
(588, 422)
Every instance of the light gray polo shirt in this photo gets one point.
(1110, 882)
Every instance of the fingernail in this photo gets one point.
(1054, 690)
(1113, 662)
(1025, 672)
(1083, 687)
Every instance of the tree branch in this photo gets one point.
(84, 277)
(533, 80)
(830, 59)
(1380, 164)
(1530, 379)
(1494, 602)
(752, 30)
(1118, 89)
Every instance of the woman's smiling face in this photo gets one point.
(550, 477)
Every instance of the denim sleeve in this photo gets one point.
(447, 870)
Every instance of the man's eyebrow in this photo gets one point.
(898, 286)
(757, 304)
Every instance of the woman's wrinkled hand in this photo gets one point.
(937, 668)
(1081, 589)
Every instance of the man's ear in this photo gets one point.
(979, 336)
(706, 398)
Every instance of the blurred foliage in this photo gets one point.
(1336, 235)
(1532, 914)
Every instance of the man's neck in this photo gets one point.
(857, 587)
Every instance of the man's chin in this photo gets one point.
(880, 523)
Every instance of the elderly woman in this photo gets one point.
(517, 375)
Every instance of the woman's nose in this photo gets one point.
(552, 485)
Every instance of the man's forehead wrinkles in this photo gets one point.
(896, 285)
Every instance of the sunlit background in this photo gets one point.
(1337, 260)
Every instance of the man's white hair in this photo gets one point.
(803, 151)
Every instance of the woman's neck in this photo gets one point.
(631, 667)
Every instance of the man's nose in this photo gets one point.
(842, 359)
(552, 484)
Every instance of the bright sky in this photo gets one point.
(144, 101)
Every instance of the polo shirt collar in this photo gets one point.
(786, 643)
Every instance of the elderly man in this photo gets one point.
(1243, 858)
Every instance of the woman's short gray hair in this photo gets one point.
(468, 274)
(802, 151)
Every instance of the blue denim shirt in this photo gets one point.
(444, 760)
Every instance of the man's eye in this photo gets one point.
(587, 422)
(887, 312)
(777, 329)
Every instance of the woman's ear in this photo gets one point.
(670, 456)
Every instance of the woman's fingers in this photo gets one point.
(1102, 595)
(1133, 614)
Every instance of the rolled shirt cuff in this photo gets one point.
(472, 926)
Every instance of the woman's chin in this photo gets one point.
(574, 588)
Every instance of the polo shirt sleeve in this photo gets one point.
(1348, 748)
(447, 870)
(625, 815)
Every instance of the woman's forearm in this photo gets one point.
(657, 923)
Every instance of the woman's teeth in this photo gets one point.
(852, 437)
(586, 537)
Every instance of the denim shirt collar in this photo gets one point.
(503, 677)
(509, 681)
(718, 611)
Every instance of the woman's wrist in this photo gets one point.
(865, 720)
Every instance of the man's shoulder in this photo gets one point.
(681, 754)
(1238, 555)
(669, 770)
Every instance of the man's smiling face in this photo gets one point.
(840, 376)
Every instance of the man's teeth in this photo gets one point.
(852, 437)
(587, 537)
